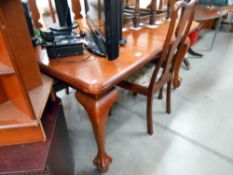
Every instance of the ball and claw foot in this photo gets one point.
(102, 162)
(177, 82)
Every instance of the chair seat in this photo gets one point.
(143, 76)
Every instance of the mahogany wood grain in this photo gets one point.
(183, 50)
(39, 96)
(22, 135)
(16, 93)
(13, 120)
(21, 81)
(4, 56)
(18, 42)
(98, 110)
(3, 96)
(35, 13)
(95, 75)
(167, 60)
(207, 15)
(205, 12)
(13, 117)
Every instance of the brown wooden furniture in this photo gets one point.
(76, 8)
(23, 92)
(35, 13)
(94, 77)
(134, 13)
(52, 157)
(52, 11)
(152, 77)
(205, 13)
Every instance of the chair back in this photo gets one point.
(181, 20)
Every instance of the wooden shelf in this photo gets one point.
(5, 70)
(19, 119)
(23, 92)
(55, 154)
(39, 95)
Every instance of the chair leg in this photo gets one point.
(149, 114)
(160, 93)
(67, 90)
(168, 102)
(110, 112)
(187, 64)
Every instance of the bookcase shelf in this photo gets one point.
(19, 119)
(24, 91)
(5, 70)
(16, 119)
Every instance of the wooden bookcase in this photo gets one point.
(23, 90)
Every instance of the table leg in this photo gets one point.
(98, 109)
(231, 20)
(35, 14)
(194, 53)
(180, 57)
(215, 32)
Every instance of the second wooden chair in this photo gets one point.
(152, 77)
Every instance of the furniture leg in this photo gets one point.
(168, 102)
(180, 57)
(160, 93)
(136, 20)
(231, 20)
(76, 8)
(67, 90)
(35, 14)
(98, 109)
(52, 11)
(194, 53)
(53, 95)
(215, 32)
(149, 114)
(186, 63)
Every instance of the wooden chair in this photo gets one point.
(75, 6)
(152, 77)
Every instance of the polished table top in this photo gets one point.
(206, 12)
(95, 75)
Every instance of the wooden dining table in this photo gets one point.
(209, 12)
(95, 78)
